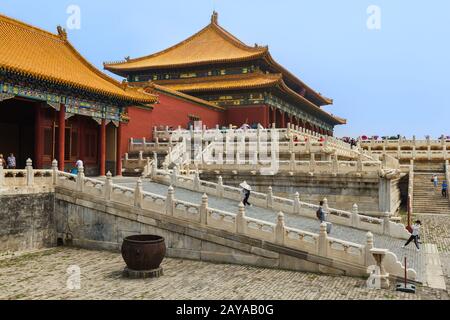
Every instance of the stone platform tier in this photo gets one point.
(100, 213)
(410, 149)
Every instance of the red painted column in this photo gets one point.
(119, 151)
(283, 120)
(38, 138)
(62, 136)
(103, 148)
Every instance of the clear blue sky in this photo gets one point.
(387, 81)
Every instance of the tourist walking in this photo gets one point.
(11, 161)
(320, 213)
(322, 216)
(414, 235)
(246, 189)
(444, 189)
(435, 180)
(2, 161)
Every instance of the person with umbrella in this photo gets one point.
(246, 189)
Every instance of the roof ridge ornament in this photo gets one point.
(124, 84)
(215, 17)
(62, 33)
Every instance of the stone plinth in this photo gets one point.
(134, 274)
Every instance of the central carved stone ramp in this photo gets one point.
(415, 259)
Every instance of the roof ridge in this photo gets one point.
(93, 68)
(66, 42)
(295, 78)
(317, 108)
(157, 53)
(213, 25)
(61, 40)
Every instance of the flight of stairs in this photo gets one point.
(427, 198)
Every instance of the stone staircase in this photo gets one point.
(427, 198)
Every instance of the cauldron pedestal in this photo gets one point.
(133, 274)
(143, 255)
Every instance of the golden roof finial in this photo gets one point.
(215, 18)
(62, 33)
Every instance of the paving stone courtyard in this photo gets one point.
(43, 275)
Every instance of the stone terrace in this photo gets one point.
(43, 275)
(415, 259)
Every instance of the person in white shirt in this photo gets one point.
(435, 180)
(414, 235)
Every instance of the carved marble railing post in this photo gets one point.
(154, 165)
(204, 210)
(30, 173)
(108, 186)
(323, 240)
(308, 146)
(138, 194)
(297, 205)
(359, 164)
(141, 156)
(2, 175)
(147, 167)
(312, 163)
(369, 246)
(386, 223)
(291, 143)
(292, 162)
(54, 172)
(269, 198)
(241, 225)
(355, 216)
(335, 164)
(174, 176)
(197, 181)
(325, 206)
(219, 187)
(255, 160)
(170, 201)
(80, 179)
(280, 229)
(379, 255)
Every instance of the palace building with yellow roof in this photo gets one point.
(252, 87)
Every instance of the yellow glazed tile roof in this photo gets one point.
(209, 45)
(179, 94)
(231, 82)
(30, 51)
(242, 82)
(212, 44)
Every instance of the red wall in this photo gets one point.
(170, 111)
(248, 114)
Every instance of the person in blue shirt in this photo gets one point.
(444, 189)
